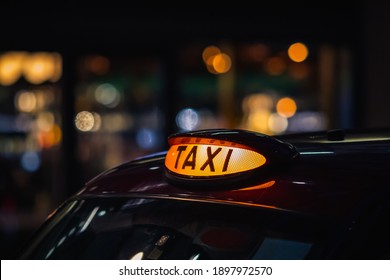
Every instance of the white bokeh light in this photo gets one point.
(187, 119)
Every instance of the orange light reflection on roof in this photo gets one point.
(258, 187)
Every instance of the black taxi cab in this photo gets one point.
(232, 194)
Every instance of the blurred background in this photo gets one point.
(83, 89)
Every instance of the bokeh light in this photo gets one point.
(107, 95)
(187, 119)
(40, 67)
(35, 67)
(84, 121)
(275, 66)
(30, 161)
(298, 52)
(11, 64)
(45, 121)
(308, 121)
(98, 64)
(277, 124)
(147, 138)
(117, 122)
(216, 61)
(222, 63)
(210, 52)
(286, 107)
(25, 101)
(257, 52)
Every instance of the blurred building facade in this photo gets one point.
(86, 91)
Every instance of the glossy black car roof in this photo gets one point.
(338, 174)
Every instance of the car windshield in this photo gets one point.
(137, 228)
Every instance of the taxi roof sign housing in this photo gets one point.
(225, 158)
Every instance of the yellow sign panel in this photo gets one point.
(203, 157)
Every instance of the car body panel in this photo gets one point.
(329, 200)
(330, 178)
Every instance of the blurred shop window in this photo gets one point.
(118, 110)
(272, 88)
(30, 139)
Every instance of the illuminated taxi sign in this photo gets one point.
(204, 157)
(225, 158)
